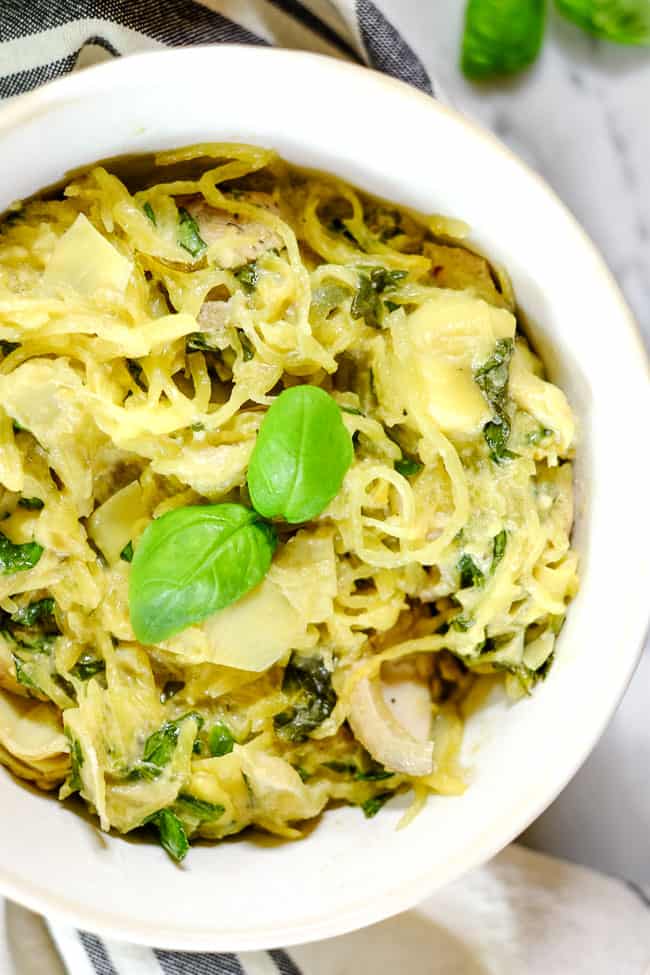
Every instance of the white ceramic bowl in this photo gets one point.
(388, 138)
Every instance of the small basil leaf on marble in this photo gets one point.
(501, 37)
(621, 21)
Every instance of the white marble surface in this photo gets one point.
(581, 117)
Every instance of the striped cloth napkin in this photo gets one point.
(521, 913)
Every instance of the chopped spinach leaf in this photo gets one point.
(204, 811)
(377, 774)
(391, 305)
(498, 548)
(23, 675)
(408, 466)
(492, 379)
(198, 342)
(189, 237)
(160, 746)
(76, 764)
(341, 768)
(171, 833)
(148, 210)
(127, 552)
(372, 806)
(32, 504)
(248, 276)
(305, 776)
(18, 558)
(462, 623)
(88, 666)
(136, 372)
(35, 612)
(220, 740)
(367, 303)
(309, 681)
(247, 347)
(470, 573)
(197, 427)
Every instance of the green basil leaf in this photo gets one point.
(34, 612)
(189, 237)
(127, 552)
(302, 453)
(622, 21)
(408, 466)
(32, 504)
(192, 562)
(470, 573)
(309, 684)
(18, 558)
(220, 740)
(199, 809)
(372, 806)
(248, 276)
(501, 37)
(171, 832)
(498, 548)
(88, 666)
(149, 212)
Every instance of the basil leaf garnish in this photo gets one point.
(192, 562)
(501, 36)
(302, 452)
(622, 21)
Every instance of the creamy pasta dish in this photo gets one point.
(285, 493)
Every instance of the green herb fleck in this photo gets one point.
(492, 378)
(309, 682)
(171, 833)
(34, 612)
(220, 740)
(378, 774)
(470, 573)
(32, 504)
(408, 466)
(366, 303)
(247, 347)
(148, 210)
(462, 623)
(198, 342)
(189, 237)
(352, 410)
(75, 782)
(341, 768)
(127, 552)
(204, 811)
(372, 806)
(498, 548)
(538, 436)
(248, 276)
(18, 558)
(88, 666)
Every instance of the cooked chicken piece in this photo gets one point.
(235, 238)
(461, 270)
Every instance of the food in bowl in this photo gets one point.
(286, 492)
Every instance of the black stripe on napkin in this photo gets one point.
(284, 964)
(173, 22)
(309, 19)
(97, 954)
(21, 81)
(387, 50)
(201, 963)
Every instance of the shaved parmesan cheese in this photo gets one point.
(111, 525)
(86, 262)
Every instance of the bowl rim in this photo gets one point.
(81, 86)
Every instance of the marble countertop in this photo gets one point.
(580, 118)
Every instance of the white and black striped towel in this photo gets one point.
(523, 912)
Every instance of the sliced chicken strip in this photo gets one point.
(234, 238)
